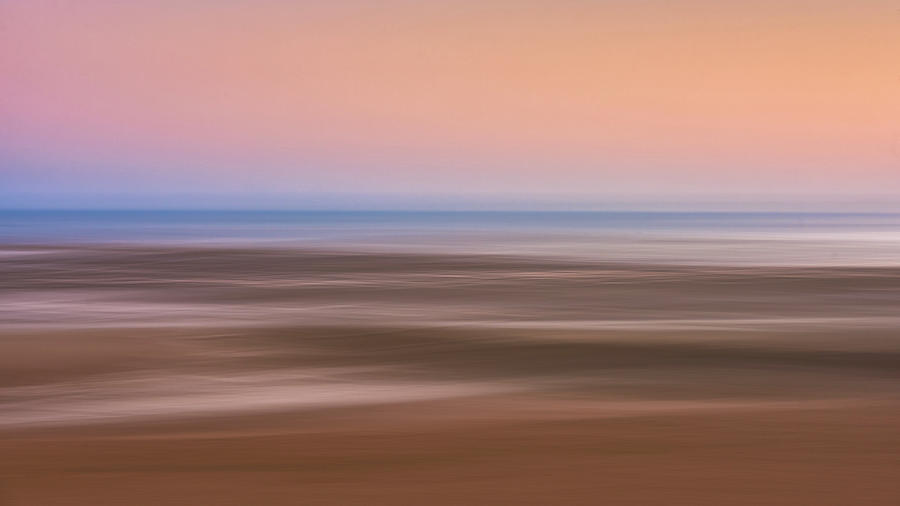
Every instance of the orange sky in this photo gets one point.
(572, 97)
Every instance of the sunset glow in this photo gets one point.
(596, 100)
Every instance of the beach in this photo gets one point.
(147, 372)
(478, 451)
(449, 253)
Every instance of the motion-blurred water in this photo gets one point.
(121, 315)
(696, 238)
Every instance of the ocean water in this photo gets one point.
(694, 238)
(119, 316)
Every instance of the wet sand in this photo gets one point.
(696, 421)
(478, 451)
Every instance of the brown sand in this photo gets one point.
(487, 451)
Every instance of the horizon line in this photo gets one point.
(443, 211)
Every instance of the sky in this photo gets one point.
(484, 104)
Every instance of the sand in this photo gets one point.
(475, 451)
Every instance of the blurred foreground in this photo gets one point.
(151, 374)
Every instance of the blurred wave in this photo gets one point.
(101, 330)
(657, 237)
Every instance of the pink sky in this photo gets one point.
(588, 100)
